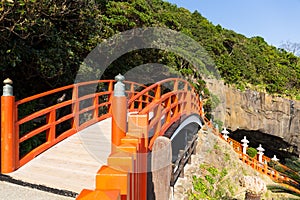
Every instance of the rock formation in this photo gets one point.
(255, 187)
(252, 110)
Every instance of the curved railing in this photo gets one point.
(153, 110)
(77, 111)
(261, 167)
(43, 120)
(165, 102)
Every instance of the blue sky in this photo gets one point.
(277, 21)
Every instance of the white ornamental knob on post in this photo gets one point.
(119, 88)
(275, 159)
(7, 88)
(260, 153)
(245, 144)
(225, 133)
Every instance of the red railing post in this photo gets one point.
(119, 112)
(110, 96)
(175, 87)
(75, 107)
(157, 92)
(51, 118)
(96, 107)
(9, 139)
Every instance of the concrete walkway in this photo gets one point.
(9, 191)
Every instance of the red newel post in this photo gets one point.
(119, 112)
(9, 146)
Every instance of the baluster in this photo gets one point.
(181, 164)
(190, 145)
(51, 118)
(75, 108)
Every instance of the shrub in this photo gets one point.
(252, 152)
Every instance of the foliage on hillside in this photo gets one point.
(217, 173)
(44, 42)
(292, 172)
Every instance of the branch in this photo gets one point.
(11, 29)
(4, 14)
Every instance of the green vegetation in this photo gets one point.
(218, 123)
(217, 177)
(293, 163)
(252, 152)
(44, 42)
(227, 157)
(212, 185)
(293, 172)
(221, 175)
(281, 189)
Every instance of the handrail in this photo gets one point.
(183, 158)
(180, 100)
(261, 167)
(155, 109)
(83, 105)
(51, 119)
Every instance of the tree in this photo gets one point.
(43, 42)
(292, 47)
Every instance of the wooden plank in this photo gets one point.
(73, 163)
(161, 167)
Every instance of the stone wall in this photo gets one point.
(252, 110)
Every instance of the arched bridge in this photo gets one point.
(95, 138)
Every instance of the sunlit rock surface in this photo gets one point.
(252, 110)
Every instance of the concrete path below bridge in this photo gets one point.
(9, 191)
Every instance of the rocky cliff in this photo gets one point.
(252, 110)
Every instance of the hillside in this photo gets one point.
(44, 42)
(216, 173)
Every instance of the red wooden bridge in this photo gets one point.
(96, 137)
(93, 136)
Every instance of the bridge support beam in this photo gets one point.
(9, 149)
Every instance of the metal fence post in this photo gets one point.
(9, 145)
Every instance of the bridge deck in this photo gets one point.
(71, 164)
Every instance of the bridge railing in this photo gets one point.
(164, 103)
(262, 167)
(153, 110)
(184, 157)
(81, 107)
(40, 121)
